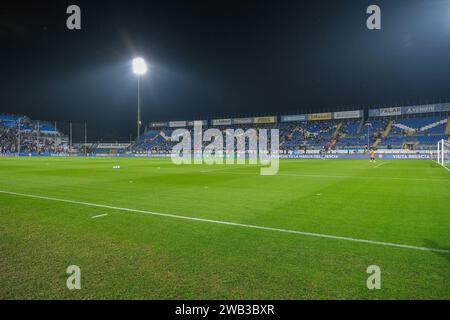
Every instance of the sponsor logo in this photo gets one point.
(265, 119)
(221, 122)
(347, 114)
(298, 117)
(320, 116)
(242, 121)
(177, 124)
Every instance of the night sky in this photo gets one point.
(218, 58)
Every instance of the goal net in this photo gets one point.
(442, 155)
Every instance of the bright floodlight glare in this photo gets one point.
(139, 66)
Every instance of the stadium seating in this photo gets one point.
(46, 127)
(33, 138)
(434, 124)
(422, 132)
(9, 121)
(419, 132)
(350, 128)
(155, 141)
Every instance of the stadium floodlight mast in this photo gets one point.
(139, 68)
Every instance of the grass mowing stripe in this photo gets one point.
(330, 176)
(319, 235)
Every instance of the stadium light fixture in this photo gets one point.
(139, 68)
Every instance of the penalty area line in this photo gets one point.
(249, 226)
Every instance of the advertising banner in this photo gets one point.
(221, 122)
(399, 155)
(177, 124)
(270, 119)
(348, 114)
(320, 116)
(394, 111)
(426, 108)
(158, 124)
(242, 121)
(404, 156)
(191, 123)
(297, 117)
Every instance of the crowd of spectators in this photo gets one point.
(348, 134)
(8, 140)
(31, 141)
(292, 137)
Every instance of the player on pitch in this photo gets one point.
(372, 154)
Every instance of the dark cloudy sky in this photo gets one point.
(218, 58)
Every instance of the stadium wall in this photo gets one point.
(312, 155)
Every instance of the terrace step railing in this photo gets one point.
(434, 124)
(403, 127)
(292, 132)
(376, 143)
(361, 125)
(162, 134)
(336, 131)
(387, 129)
(332, 142)
(447, 127)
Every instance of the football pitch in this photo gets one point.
(154, 230)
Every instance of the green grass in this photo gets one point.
(130, 255)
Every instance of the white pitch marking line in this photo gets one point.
(441, 165)
(304, 233)
(380, 164)
(99, 216)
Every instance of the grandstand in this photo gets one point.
(404, 128)
(19, 133)
(418, 132)
(416, 128)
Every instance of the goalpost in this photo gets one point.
(442, 155)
